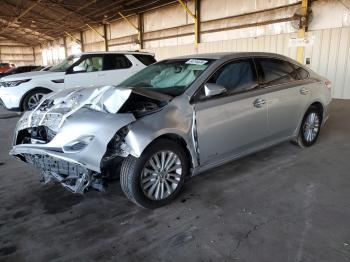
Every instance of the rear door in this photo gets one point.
(235, 122)
(287, 96)
(116, 68)
(145, 59)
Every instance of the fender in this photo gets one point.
(173, 122)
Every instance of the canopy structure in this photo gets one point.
(34, 21)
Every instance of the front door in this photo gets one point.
(235, 122)
(85, 72)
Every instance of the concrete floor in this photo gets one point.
(282, 204)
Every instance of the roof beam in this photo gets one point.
(14, 39)
(21, 30)
(70, 13)
(22, 14)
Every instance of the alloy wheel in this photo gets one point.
(34, 100)
(311, 127)
(161, 175)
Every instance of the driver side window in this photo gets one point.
(91, 64)
(236, 77)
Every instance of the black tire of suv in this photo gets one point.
(301, 140)
(24, 105)
(131, 170)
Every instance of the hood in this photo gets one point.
(108, 99)
(33, 74)
(55, 108)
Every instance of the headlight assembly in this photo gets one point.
(13, 83)
(78, 144)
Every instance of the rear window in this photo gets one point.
(145, 59)
(302, 73)
(277, 71)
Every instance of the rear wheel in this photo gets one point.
(32, 99)
(157, 176)
(310, 128)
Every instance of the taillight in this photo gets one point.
(328, 84)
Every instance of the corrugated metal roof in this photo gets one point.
(33, 21)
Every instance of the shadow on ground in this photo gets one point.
(281, 204)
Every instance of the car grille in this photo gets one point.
(50, 164)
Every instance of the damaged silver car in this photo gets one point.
(172, 120)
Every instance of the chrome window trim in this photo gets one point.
(267, 89)
(284, 60)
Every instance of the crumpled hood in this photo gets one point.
(55, 108)
(106, 98)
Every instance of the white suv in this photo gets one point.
(24, 91)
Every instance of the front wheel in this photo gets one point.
(157, 176)
(310, 128)
(32, 99)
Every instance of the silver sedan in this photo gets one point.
(172, 120)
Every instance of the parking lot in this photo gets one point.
(281, 204)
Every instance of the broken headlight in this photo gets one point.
(117, 146)
(77, 145)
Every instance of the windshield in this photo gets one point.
(65, 64)
(171, 77)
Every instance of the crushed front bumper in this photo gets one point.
(72, 175)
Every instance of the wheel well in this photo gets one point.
(181, 142)
(319, 107)
(30, 91)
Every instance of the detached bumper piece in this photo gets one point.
(74, 177)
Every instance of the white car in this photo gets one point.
(24, 91)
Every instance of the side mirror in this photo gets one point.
(214, 89)
(78, 69)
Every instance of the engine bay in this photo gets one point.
(140, 105)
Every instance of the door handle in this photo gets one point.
(101, 74)
(259, 102)
(304, 91)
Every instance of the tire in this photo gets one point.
(33, 96)
(137, 181)
(308, 134)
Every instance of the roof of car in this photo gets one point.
(119, 52)
(231, 55)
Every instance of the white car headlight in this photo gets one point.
(13, 83)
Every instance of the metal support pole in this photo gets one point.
(65, 46)
(34, 55)
(82, 41)
(75, 39)
(198, 21)
(302, 30)
(105, 36)
(140, 31)
(97, 32)
(196, 24)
